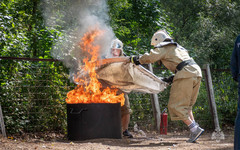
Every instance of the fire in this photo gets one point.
(92, 92)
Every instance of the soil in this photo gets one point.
(152, 141)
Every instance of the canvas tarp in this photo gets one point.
(130, 77)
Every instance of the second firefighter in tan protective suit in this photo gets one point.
(117, 51)
(186, 82)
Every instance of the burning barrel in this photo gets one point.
(93, 111)
(96, 120)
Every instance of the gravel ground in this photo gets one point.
(152, 141)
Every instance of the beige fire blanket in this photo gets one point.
(130, 77)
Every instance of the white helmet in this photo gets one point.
(117, 44)
(159, 37)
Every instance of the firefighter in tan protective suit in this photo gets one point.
(117, 51)
(185, 83)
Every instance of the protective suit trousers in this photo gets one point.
(125, 109)
(183, 96)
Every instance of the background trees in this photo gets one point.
(207, 28)
(135, 21)
(23, 31)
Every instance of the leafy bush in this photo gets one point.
(33, 96)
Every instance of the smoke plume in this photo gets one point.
(74, 18)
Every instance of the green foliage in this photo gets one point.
(26, 87)
(226, 97)
(141, 110)
(183, 15)
(135, 21)
(22, 29)
(207, 28)
(33, 96)
(13, 40)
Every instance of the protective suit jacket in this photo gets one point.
(171, 55)
(189, 77)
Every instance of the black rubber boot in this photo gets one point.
(127, 134)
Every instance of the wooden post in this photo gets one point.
(155, 106)
(217, 134)
(2, 123)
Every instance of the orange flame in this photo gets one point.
(92, 92)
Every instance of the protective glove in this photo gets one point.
(169, 80)
(135, 60)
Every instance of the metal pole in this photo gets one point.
(155, 106)
(217, 134)
(2, 123)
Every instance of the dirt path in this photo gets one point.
(172, 141)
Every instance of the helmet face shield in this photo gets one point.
(116, 44)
